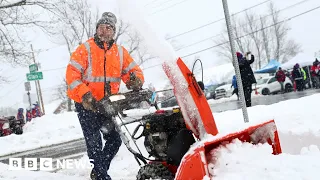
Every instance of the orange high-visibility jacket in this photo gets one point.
(90, 66)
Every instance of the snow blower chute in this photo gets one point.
(199, 119)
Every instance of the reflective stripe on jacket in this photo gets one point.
(90, 66)
(304, 74)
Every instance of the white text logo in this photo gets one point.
(48, 164)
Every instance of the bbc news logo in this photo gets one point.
(48, 164)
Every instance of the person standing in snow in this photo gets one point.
(94, 72)
(297, 75)
(281, 77)
(315, 73)
(235, 86)
(247, 76)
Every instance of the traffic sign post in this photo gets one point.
(33, 76)
(235, 61)
(27, 86)
(33, 68)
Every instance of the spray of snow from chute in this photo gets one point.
(157, 45)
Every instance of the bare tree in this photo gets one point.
(15, 19)
(76, 24)
(133, 41)
(283, 48)
(237, 33)
(265, 41)
(60, 92)
(223, 48)
(253, 26)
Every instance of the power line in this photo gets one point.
(151, 3)
(168, 7)
(197, 42)
(217, 45)
(288, 19)
(214, 21)
(165, 2)
(189, 30)
(220, 44)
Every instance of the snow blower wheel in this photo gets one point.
(154, 171)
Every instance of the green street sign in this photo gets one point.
(34, 76)
(33, 68)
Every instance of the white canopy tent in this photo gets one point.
(303, 59)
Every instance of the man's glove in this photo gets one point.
(105, 107)
(89, 102)
(134, 83)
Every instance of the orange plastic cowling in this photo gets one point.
(194, 166)
(206, 119)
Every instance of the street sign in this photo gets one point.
(34, 76)
(33, 68)
(27, 86)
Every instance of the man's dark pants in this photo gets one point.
(91, 123)
(247, 94)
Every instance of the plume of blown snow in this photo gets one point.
(131, 12)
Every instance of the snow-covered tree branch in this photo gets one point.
(263, 35)
(16, 18)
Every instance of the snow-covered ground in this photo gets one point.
(296, 120)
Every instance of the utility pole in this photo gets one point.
(37, 83)
(235, 61)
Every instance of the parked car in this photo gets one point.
(9, 125)
(224, 91)
(16, 125)
(209, 91)
(270, 85)
(4, 127)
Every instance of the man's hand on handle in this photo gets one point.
(89, 102)
(134, 83)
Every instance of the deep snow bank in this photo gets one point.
(243, 161)
(295, 119)
(43, 131)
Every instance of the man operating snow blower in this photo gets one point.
(94, 72)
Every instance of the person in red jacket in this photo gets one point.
(281, 77)
(315, 73)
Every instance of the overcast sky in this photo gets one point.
(183, 15)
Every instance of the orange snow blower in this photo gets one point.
(179, 141)
(199, 119)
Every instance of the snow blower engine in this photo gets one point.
(166, 139)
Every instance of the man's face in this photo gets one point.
(105, 32)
